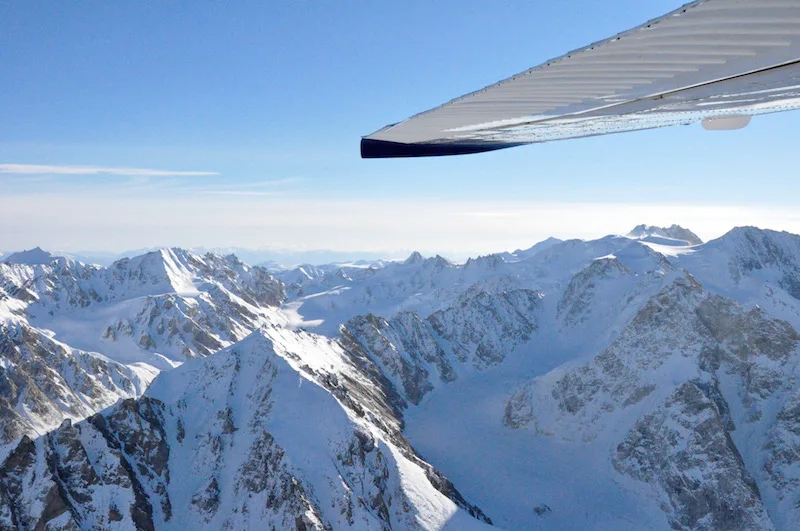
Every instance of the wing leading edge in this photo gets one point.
(711, 60)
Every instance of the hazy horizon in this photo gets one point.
(318, 256)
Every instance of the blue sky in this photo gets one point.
(271, 99)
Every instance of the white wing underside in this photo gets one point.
(710, 58)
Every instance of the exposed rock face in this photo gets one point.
(43, 382)
(220, 444)
(408, 370)
(684, 448)
(187, 327)
(781, 469)
(682, 322)
(480, 329)
(758, 250)
(580, 297)
(657, 389)
(100, 473)
(419, 285)
(607, 290)
(753, 266)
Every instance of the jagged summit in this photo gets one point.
(35, 256)
(672, 235)
(417, 259)
(414, 258)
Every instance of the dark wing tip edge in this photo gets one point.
(383, 149)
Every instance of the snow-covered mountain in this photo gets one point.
(641, 382)
(76, 338)
(672, 235)
(687, 395)
(44, 381)
(158, 309)
(251, 436)
(326, 300)
(35, 256)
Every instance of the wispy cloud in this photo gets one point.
(39, 169)
(274, 187)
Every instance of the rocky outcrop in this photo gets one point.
(683, 328)
(156, 309)
(43, 382)
(666, 403)
(169, 304)
(480, 329)
(184, 327)
(684, 448)
(746, 258)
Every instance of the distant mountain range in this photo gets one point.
(646, 381)
(271, 258)
(279, 259)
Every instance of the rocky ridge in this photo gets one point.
(217, 444)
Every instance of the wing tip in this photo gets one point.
(383, 149)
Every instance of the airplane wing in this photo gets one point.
(712, 61)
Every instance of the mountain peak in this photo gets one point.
(35, 256)
(414, 258)
(750, 236)
(748, 231)
(540, 246)
(672, 235)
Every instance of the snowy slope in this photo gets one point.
(247, 438)
(590, 315)
(691, 371)
(670, 397)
